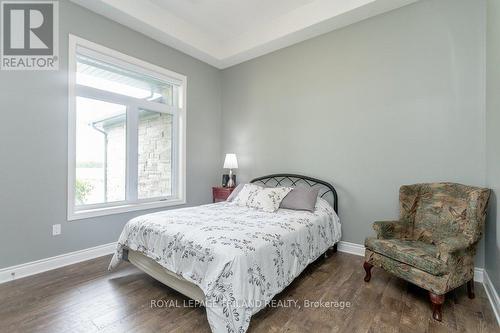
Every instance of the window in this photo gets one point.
(126, 133)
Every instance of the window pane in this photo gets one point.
(155, 154)
(100, 75)
(100, 151)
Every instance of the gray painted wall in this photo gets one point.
(492, 237)
(393, 100)
(33, 136)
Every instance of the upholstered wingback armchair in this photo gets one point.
(434, 241)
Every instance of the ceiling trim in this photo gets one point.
(310, 20)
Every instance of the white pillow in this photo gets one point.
(247, 192)
(266, 198)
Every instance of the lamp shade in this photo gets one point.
(230, 162)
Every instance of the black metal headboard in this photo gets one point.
(288, 179)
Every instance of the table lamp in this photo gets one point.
(230, 162)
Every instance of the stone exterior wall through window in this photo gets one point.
(154, 155)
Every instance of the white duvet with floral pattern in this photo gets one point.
(240, 257)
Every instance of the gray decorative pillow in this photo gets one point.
(235, 192)
(301, 198)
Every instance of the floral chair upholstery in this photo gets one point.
(434, 241)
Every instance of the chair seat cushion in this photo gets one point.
(413, 253)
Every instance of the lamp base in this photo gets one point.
(231, 182)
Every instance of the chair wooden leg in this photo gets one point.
(335, 248)
(437, 304)
(470, 289)
(368, 269)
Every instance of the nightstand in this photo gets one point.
(221, 193)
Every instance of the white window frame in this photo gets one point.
(179, 82)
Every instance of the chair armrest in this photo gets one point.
(389, 229)
(452, 244)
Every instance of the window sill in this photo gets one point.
(85, 214)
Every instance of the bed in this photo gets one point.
(232, 259)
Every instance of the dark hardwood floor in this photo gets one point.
(86, 298)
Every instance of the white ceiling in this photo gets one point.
(226, 19)
(227, 32)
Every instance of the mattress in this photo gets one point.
(239, 257)
(165, 276)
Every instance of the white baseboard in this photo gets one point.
(43, 265)
(359, 250)
(351, 248)
(478, 274)
(492, 295)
